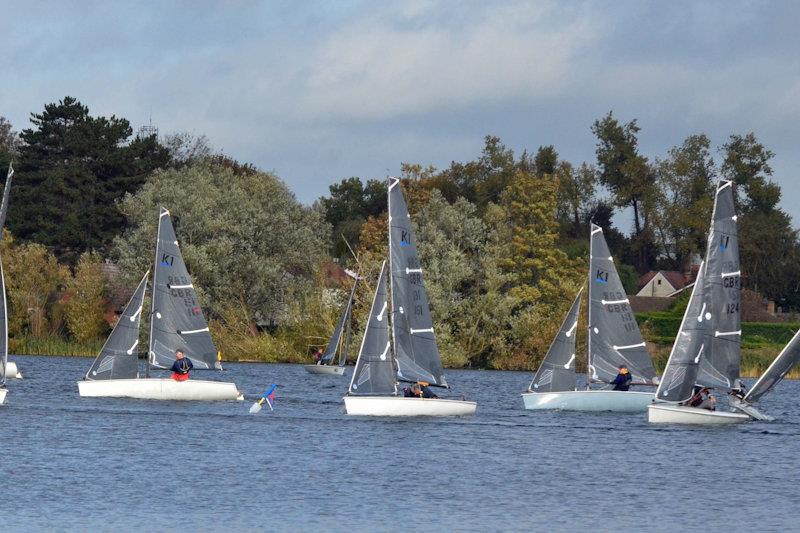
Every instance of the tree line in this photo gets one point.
(503, 238)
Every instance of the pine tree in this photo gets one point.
(73, 168)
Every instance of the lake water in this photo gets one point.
(103, 464)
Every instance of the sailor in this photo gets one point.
(419, 390)
(318, 356)
(623, 380)
(181, 367)
(703, 399)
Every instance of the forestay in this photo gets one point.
(119, 357)
(335, 340)
(557, 371)
(720, 366)
(177, 321)
(374, 372)
(677, 382)
(614, 337)
(789, 356)
(416, 352)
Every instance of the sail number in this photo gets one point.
(732, 308)
(187, 295)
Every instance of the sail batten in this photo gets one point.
(677, 382)
(557, 371)
(415, 349)
(177, 321)
(117, 358)
(720, 366)
(614, 336)
(374, 373)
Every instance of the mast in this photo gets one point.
(391, 269)
(150, 354)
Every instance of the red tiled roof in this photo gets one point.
(675, 278)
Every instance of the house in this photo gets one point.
(663, 283)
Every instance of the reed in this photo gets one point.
(32, 345)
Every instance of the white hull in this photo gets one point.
(335, 370)
(678, 414)
(401, 406)
(3, 392)
(12, 372)
(589, 400)
(160, 389)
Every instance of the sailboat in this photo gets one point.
(412, 354)
(339, 341)
(11, 370)
(176, 322)
(614, 339)
(707, 350)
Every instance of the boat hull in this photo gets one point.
(160, 389)
(589, 400)
(679, 414)
(401, 406)
(331, 370)
(3, 393)
(12, 372)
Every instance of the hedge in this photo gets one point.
(662, 327)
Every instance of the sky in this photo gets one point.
(320, 91)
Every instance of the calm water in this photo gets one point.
(87, 464)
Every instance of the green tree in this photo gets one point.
(248, 243)
(687, 175)
(347, 208)
(575, 197)
(627, 174)
(72, 169)
(768, 244)
(87, 291)
(546, 160)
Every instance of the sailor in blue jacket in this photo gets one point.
(181, 367)
(623, 380)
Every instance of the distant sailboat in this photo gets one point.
(709, 354)
(339, 341)
(614, 339)
(415, 357)
(176, 322)
(11, 370)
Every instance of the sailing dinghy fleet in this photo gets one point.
(399, 344)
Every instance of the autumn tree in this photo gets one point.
(86, 298)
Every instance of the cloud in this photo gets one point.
(388, 65)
